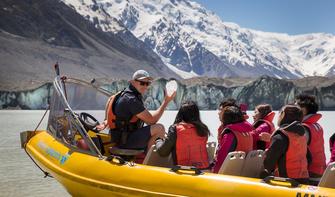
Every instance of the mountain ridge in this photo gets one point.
(245, 52)
(35, 35)
(109, 39)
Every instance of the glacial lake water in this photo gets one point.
(20, 177)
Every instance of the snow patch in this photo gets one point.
(182, 74)
(278, 53)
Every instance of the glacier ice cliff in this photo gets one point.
(30, 99)
(208, 96)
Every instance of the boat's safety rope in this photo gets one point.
(42, 118)
(46, 174)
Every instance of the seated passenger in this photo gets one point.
(287, 154)
(235, 134)
(332, 148)
(125, 115)
(186, 139)
(263, 118)
(314, 134)
(223, 104)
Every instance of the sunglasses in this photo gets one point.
(144, 83)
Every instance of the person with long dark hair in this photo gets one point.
(187, 138)
(223, 104)
(287, 154)
(234, 134)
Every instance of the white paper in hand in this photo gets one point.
(171, 87)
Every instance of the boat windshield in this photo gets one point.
(70, 98)
(81, 96)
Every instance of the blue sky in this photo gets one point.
(284, 16)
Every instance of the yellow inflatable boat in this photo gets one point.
(81, 161)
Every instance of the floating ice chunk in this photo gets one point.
(171, 87)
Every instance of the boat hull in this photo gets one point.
(83, 174)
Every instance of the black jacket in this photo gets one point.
(276, 153)
(167, 146)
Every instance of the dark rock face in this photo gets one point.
(129, 17)
(34, 34)
(268, 90)
(55, 23)
(38, 20)
(262, 90)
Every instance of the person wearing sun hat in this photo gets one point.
(130, 114)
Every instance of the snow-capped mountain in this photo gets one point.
(194, 41)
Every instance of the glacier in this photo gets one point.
(276, 92)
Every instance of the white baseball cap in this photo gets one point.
(141, 74)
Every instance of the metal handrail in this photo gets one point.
(102, 90)
(82, 130)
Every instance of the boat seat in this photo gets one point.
(253, 164)
(154, 159)
(125, 152)
(328, 177)
(233, 163)
(211, 150)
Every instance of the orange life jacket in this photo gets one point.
(109, 114)
(220, 130)
(191, 148)
(268, 119)
(316, 145)
(295, 160)
(242, 134)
